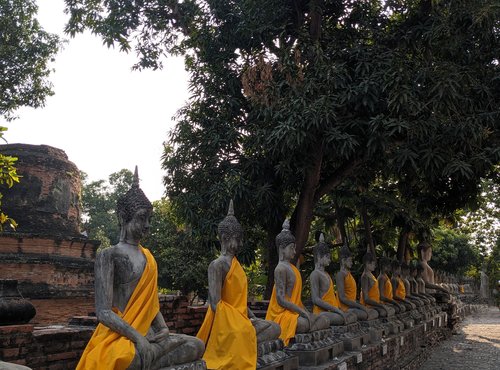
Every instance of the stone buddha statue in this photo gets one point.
(370, 293)
(323, 295)
(412, 279)
(425, 252)
(405, 276)
(347, 288)
(386, 288)
(230, 330)
(285, 306)
(132, 333)
(421, 283)
(399, 288)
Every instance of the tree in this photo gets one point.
(8, 177)
(25, 53)
(99, 200)
(291, 99)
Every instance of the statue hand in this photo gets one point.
(145, 352)
(161, 335)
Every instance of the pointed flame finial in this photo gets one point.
(321, 238)
(286, 224)
(230, 211)
(136, 176)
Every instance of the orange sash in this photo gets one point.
(387, 288)
(350, 289)
(373, 293)
(229, 336)
(329, 297)
(401, 289)
(110, 350)
(286, 319)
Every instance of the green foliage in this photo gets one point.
(292, 99)
(453, 252)
(8, 177)
(99, 206)
(25, 52)
(182, 258)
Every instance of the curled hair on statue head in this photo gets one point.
(321, 249)
(132, 201)
(369, 257)
(423, 247)
(384, 262)
(395, 264)
(285, 237)
(345, 252)
(229, 225)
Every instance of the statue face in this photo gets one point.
(138, 227)
(232, 243)
(347, 262)
(289, 252)
(325, 260)
(371, 266)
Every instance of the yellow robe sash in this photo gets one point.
(388, 288)
(228, 334)
(286, 319)
(373, 293)
(329, 297)
(350, 289)
(401, 289)
(108, 350)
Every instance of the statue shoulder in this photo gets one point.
(219, 264)
(108, 253)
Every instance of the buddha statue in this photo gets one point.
(385, 287)
(425, 252)
(230, 330)
(399, 288)
(421, 283)
(405, 276)
(285, 305)
(347, 288)
(369, 284)
(132, 333)
(323, 295)
(412, 279)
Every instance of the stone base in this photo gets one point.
(270, 355)
(290, 363)
(196, 365)
(315, 348)
(351, 334)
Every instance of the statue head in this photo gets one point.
(134, 212)
(345, 256)
(285, 242)
(425, 251)
(413, 269)
(230, 232)
(322, 255)
(405, 269)
(420, 269)
(370, 261)
(396, 267)
(385, 265)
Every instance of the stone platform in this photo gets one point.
(313, 349)
(197, 365)
(271, 356)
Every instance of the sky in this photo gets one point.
(103, 115)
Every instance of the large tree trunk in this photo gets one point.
(370, 244)
(341, 225)
(272, 257)
(402, 243)
(303, 213)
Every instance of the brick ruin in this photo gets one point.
(46, 254)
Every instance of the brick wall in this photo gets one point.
(46, 267)
(179, 316)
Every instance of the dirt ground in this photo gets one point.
(474, 345)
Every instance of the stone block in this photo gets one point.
(289, 363)
(196, 365)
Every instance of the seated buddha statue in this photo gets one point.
(132, 333)
(230, 330)
(385, 286)
(412, 278)
(405, 276)
(285, 305)
(425, 252)
(369, 284)
(399, 288)
(347, 288)
(323, 295)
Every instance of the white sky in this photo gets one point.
(103, 115)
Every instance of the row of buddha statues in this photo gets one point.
(132, 333)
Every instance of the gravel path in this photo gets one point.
(476, 344)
